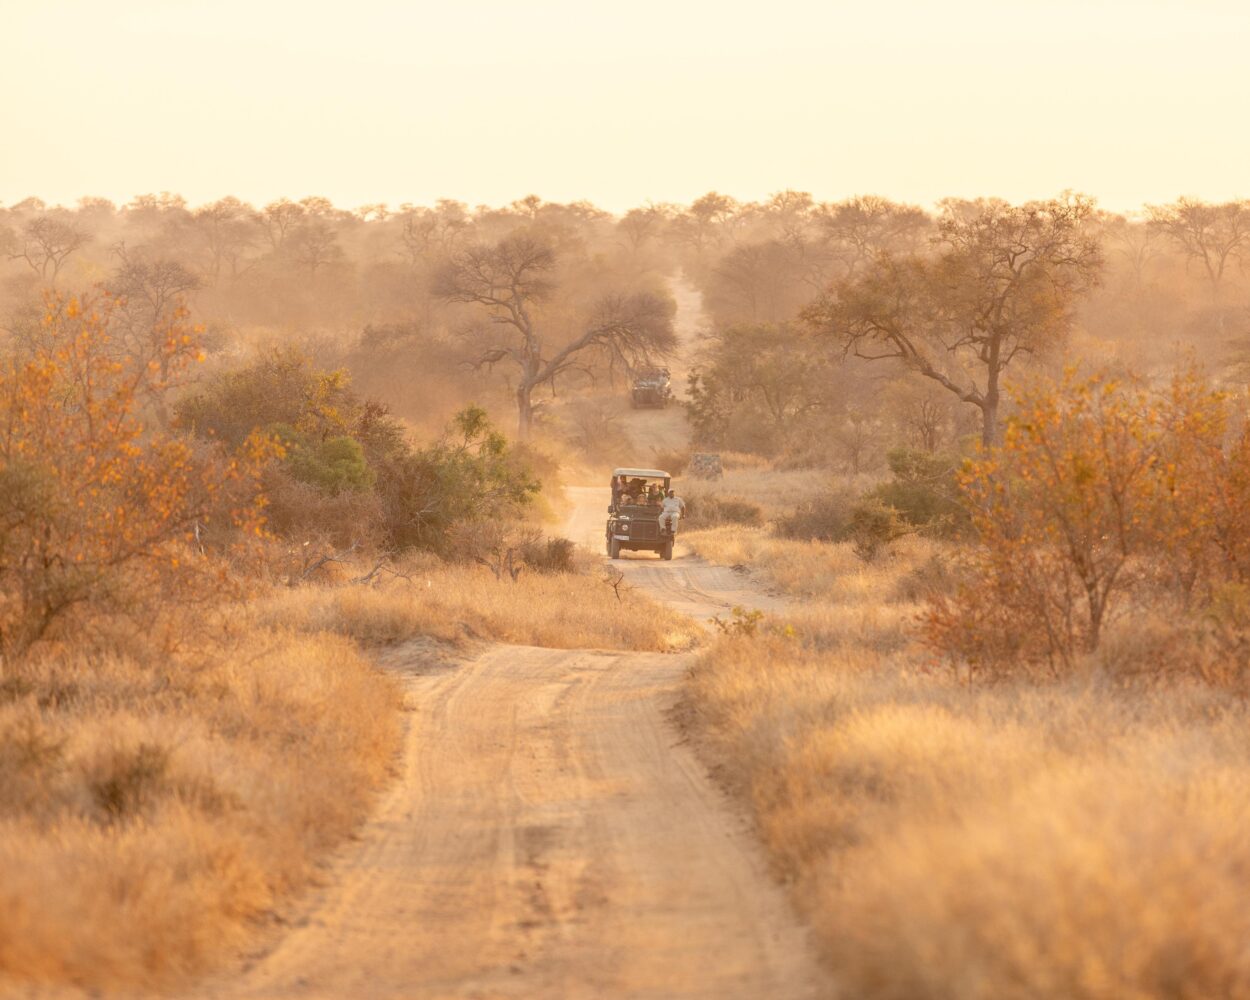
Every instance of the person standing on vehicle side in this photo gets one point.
(671, 511)
(618, 490)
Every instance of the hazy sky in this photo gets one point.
(620, 103)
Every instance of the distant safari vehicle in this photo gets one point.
(634, 514)
(652, 387)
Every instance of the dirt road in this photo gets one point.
(549, 836)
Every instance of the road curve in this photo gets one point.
(549, 836)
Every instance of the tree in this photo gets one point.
(756, 386)
(639, 225)
(226, 229)
(1137, 243)
(430, 233)
(511, 280)
(759, 282)
(1101, 488)
(98, 510)
(151, 301)
(470, 476)
(314, 245)
(858, 229)
(1212, 235)
(45, 244)
(1001, 286)
(702, 225)
(279, 219)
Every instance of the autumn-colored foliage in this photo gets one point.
(1103, 490)
(98, 508)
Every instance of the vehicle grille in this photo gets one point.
(644, 531)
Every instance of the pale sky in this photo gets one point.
(368, 101)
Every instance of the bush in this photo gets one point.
(709, 511)
(550, 555)
(1102, 491)
(471, 475)
(331, 465)
(348, 474)
(673, 462)
(306, 513)
(924, 491)
(825, 519)
(873, 525)
(928, 581)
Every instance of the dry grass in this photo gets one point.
(459, 603)
(828, 574)
(154, 805)
(1076, 840)
(774, 491)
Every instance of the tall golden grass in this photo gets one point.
(1081, 839)
(156, 805)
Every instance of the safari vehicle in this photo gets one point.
(634, 517)
(652, 387)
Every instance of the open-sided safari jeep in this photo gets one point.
(653, 386)
(634, 514)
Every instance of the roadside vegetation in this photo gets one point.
(197, 576)
(1005, 753)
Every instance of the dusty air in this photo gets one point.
(670, 502)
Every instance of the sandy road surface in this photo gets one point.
(550, 836)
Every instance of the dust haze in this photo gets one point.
(832, 584)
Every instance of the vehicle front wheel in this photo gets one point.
(667, 551)
(614, 549)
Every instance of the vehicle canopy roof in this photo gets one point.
(642, 473)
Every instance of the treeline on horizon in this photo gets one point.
(366, 290)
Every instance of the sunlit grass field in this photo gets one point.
(957, 840)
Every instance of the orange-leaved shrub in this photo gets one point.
(1107, 496)
(98, 506)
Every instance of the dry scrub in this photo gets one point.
(1075, 839)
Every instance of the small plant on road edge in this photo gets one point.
(742, 623)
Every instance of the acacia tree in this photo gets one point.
(1001, 286)
(511, 280)
(855, 230)
(151, 294)
(226, 230)
(45, 244)
(758, 385)
(1212, 235)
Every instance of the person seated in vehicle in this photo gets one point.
(618, 490)
(671, 511)
(636, 488)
